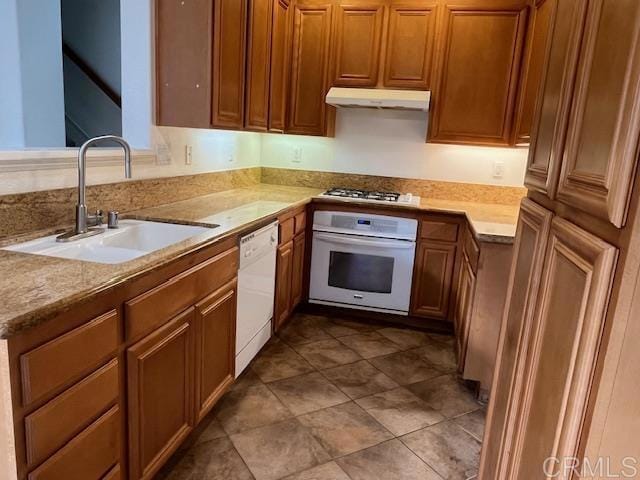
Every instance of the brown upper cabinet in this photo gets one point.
(310, 68)
(357, 38)
(229, 47)
(604, 125)
(409, 44)
(552, 110)
(258, 70)
(279, 75)
(183, 63)
(537, 36)
(479, 56)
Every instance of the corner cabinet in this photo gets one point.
(479, 60)
(310, 69)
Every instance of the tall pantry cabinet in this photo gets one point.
(575, 267)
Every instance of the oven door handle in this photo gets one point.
(351, 240)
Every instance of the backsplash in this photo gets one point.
(27, 212)
(464, 192)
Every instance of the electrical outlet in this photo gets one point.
(163, 154)
(296, 155)
(498, 169)
(188, 155)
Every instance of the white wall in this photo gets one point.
(11, 124)
(392, 143)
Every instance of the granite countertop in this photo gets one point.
(35, 288)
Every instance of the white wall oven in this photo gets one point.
(362, 261)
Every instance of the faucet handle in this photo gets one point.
(112, 219)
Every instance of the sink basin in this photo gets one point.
(133, 239)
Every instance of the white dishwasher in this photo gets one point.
(256, 289)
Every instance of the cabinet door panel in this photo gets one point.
(284, 268)
(567, 328)
(309, 69)
(280, 60)
(160, 395)
(478, 70)
(529, 249)
(258, 71)
(602, 144)
(229, 48)
(215, 347)
(358, 30)
(432, 279)
(550, 124)
(183, 63)
(297, 270)
(539, 29)
(463, 310)
(409, 46)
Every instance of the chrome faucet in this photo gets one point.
(83, 220)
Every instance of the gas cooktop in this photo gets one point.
(373, 196)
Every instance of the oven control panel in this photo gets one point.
(366, 224)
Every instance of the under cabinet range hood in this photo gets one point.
(379, 98)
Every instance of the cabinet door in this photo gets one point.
(552, 109)
(280, 60)
(409, 45)
(229, 48)
(432, 279)
(537, 37)
(284, 268)
(567, 329)
(159, 377)
(604, 126)
(215, 333)
(463, 310)
(309, 69)
(477, 73)
(183, 63)
(358, 31)
(258, 71)
(297, 271)
(508, 380)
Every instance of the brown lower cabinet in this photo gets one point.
(463, 310)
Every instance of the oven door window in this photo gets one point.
(361, 272)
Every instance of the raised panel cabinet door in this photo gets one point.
(258, 68)
(297, 270)
(215, 349)
(463, 310)
(409, 45)
(280, 62)
(532, 68)
(229, 50)
(160, 394)
(432, 279)
(604, 126)
(480, 52)
(529, 248)
(284, 268)
(548, 132)
(309, 68)
(566, 334)
(358, 32)
(183, 63)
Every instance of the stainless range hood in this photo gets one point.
(379, 98)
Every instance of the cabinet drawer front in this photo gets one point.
(472, 250)
(440, 231)
(287, 230)
(91, 455)
(300, 222)
(67, 357)
(157, 306)
(54, 424)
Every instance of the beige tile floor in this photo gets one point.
(334, 399)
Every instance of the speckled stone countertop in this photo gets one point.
(34, 288)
